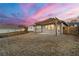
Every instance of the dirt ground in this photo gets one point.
(35, 44)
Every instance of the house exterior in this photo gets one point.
(5, 28)
(51, 26)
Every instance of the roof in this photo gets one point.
(50, 21)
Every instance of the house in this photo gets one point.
(7, 28)
(51, 26)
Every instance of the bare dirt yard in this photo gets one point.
(35, 44)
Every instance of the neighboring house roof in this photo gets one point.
(5, 26)
(73, 23)
(51, 21)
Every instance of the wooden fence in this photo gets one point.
(71, 30)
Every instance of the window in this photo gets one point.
(75, 25)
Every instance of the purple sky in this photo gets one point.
(30, 13)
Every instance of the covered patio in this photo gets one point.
(51, 26)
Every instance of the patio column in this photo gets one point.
(61, 28)
(41, 28)
(56, 29)
(35, 28)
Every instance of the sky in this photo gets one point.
(29, 13)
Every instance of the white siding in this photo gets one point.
(31, 28)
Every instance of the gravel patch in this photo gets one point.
(35, 44)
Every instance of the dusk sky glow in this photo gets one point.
(29, 13)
